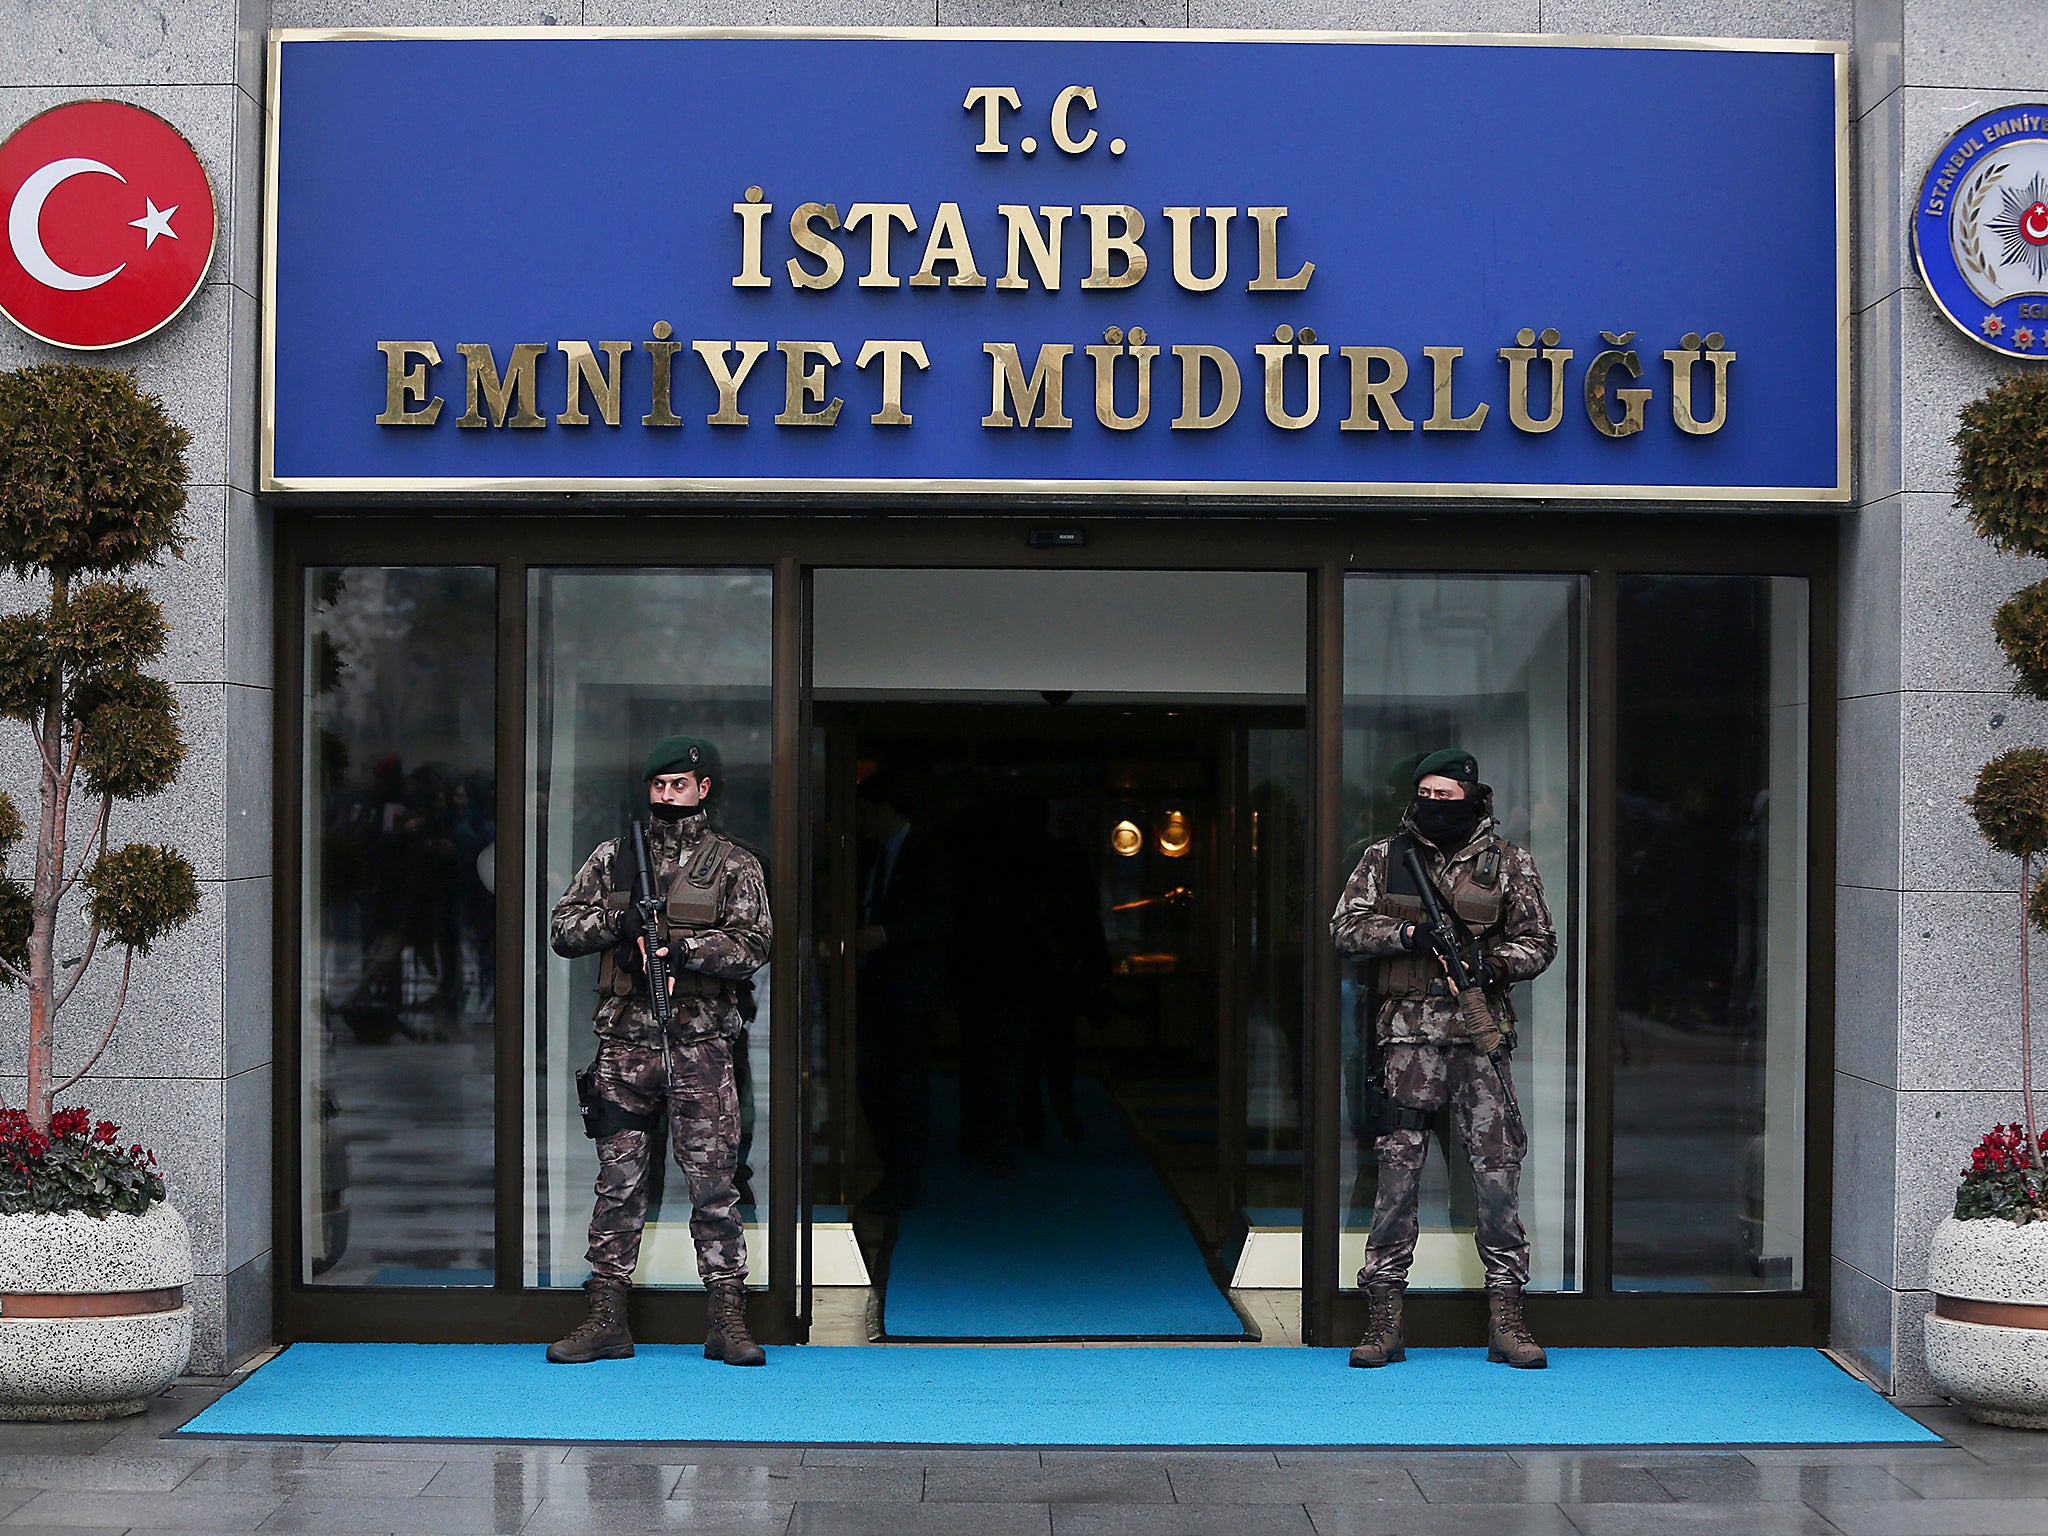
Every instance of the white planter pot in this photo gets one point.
(1987, 1338)
(93, 1319)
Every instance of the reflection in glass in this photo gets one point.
(1710, 925)
(398, 955)
(617, 660)
(1491, 664)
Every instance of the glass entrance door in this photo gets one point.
(1062, 950)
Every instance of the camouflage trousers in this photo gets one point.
(704, 1124)
(1460, 1079)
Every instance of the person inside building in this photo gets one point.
(715, 931)
(1441, 1052)
(907, 919)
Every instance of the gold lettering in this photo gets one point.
(1043, 248)
(515, 391)
(1047, 383)
(1681, 360)
(1192, 359)
(1062, 110)
(602, 379)
(753, 215)
(1370, 396)
(1634, 402)
(878, 217)
(403, 386)
(803, 385)
(1274, 355)
(803, 232)
(992, 99)
(1441, 418)
(663, 352)
(1269, 279)
(1518, 358)
(892, 354)
(1105, 378)
(726, 378)
(1183, 222)
(1104, 245)
(948, 243)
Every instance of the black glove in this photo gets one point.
(631, 930)
(1485, 972)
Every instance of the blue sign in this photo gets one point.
(1980, 230)
(1035, 263)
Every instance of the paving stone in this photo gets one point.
(158, 1511)
(587, 1480)
(685, 1455)
(623, 1517)
(1940, 1517)
(876, 1519)
(55, 1439)
(1440, 1520)
(1760, 1519)
(899, 1481)
(1746, 1481)
(113, 1474)
(456, 1450)
(1180, 1520)
(2015, 1480)
(1473, 1463)
(1079, 1481)
(364, 1479)
(408, 1517)
(13, 1498)
(1199, 1484)
(1572, 1482)
(1862, 1456)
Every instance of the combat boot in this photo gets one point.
(1385, 1340)
(1508, 1340)
(728, 1339)
(602, 1335)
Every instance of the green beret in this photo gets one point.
(683, 754)
(1450, 763)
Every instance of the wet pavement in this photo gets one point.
(123, 1477)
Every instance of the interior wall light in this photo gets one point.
(1175, 836)
(1125, 839)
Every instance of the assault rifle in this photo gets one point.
(654, 934)
(1449, 945)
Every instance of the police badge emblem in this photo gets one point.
(1980, 230)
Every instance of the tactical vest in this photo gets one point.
(690, 907)
(1475, 895)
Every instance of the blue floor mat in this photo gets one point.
(1060, 1395)
(1079, 1242)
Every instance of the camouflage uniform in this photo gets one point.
(705, 1034)
(1430, 1063)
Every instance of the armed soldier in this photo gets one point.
(1453, 914)
(712, 933)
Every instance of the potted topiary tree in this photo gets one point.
(1987, 1337)
(93, 1262)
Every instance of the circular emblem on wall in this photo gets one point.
(1980, 230)
(110, 224)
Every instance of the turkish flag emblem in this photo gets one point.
(110, 224)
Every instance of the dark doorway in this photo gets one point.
(1079, 1133)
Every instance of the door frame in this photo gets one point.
(1322, 546)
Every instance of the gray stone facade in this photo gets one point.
(1925, 1039)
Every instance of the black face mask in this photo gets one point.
(661, 811)
(1447, 823)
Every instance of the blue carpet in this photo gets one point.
(1079, 1242)
(1054, 1395)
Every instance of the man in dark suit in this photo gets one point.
(906, 925)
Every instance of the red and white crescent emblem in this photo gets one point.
(110, 224)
